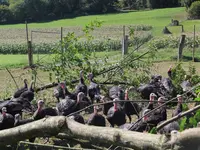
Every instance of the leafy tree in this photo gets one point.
(5, 14)
(194, 10)
(187, 3)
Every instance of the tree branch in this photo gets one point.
(12, 78)
(177, 117)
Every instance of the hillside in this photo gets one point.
(158, 18)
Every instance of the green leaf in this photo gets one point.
(182, 123)
(153, 130)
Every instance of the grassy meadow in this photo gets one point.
(112, 25)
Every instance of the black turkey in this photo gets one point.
(81, 87)
(167, 129)
(131, 108)
(160, 114)
(179, 107)
(16, 106)
(67, 105)
(143, 124)
(168, 86)
(146, 89)
(19, 121)
(21, 90)
(150, 105)
(6, 120)
(107, 106)
(29, 93)
(187, 87)
(61, 91)
(116, 115)
(93, 89)
(41, 112)
(78, 118)
(96, 119)
(116, 92)
(169, 72)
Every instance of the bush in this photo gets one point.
(194, 10)
(6, 15)
(42, 48)
(172, 42)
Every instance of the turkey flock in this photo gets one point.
(114, 113)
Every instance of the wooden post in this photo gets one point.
(30, 54)
(182, 28)
(26, 31)
(193, 45)
(124, 42)
(180, 47)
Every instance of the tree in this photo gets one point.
(194, 10)
(187, 3)
(5, 14)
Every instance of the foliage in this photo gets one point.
(41, 10)
(93, 45)
(42, 48)
(172, 42)
(194, 10)
(179, 75)
(5, 14)
(68, 62)
(187, 3)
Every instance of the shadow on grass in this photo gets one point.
(187, 58)
(69, 16)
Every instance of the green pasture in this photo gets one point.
(166, 55)
(112, 27)
(158, 18)
(16, 61)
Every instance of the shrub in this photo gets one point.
(194, 10)
(5, 14)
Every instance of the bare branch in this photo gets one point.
(177, 117)
(13, 78)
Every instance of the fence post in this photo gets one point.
(193, 45)
(180, 47)
(124, 42)
(30, 53)
(182, 28)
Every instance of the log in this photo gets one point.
(56, 126)
(44, 127)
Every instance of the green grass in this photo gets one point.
(16, 61)
(111, 29)
(158, 18)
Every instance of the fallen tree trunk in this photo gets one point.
(59, 126)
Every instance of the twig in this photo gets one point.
(177, 117)
(194, 87)
(46, 87)
(46, 146)
(118, 101)
(110, 147)
(13, 78)
(116, 66)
